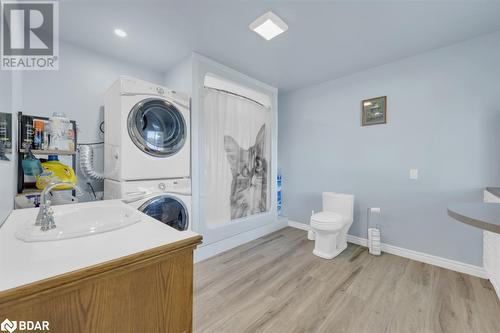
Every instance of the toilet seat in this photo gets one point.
(328, 221)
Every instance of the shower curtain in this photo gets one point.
(236, 157)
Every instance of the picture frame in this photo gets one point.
(374, 111)
(6, 129)
(5, 136)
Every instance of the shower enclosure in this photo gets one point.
(236, 157)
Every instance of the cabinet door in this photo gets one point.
(487, 251)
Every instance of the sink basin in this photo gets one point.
(79, 220)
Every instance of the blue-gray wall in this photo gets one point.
(443, 119)
(77, 89)
(180, 76)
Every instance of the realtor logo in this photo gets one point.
(8, 326)
(30, 35)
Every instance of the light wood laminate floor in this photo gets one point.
(275, 284)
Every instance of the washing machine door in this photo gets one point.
(168, 210)
(157, 127)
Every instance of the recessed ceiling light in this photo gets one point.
(120, 33)
(268, 26)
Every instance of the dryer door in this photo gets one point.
(167, 209)
(157, 127)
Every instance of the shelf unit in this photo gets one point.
(49, 152)
(22, 120)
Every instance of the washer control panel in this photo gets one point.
(146, 187)
(179, 185)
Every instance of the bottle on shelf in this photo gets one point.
(61, 132)
(46, 136)
(27, 133)
(38, 126)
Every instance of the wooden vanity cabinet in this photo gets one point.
(150, 291)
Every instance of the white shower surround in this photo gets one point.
(267, 221)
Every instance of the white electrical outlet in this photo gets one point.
(413, 173)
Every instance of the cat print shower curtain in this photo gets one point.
(236, 145)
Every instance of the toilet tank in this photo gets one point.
(340, 203)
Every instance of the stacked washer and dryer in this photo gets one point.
(147, 150)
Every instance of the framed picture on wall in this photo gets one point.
(374, 111)
(5, 135)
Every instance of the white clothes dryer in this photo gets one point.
(147, 132)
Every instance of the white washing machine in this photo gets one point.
(166, 200)
(147, 132)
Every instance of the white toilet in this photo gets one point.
(329, 227)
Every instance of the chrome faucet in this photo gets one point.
(45, 217)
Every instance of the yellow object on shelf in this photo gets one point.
(53, 170)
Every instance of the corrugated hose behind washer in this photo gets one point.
(87, 163)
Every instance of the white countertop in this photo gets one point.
(22, 263)
(478, 214)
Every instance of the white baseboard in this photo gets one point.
(210, 250)
(299, 225)
(414, 255)
(359, 241)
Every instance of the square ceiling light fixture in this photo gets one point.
(268, 26)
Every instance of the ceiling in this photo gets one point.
(325, 39)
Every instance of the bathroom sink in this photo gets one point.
(80, 220)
